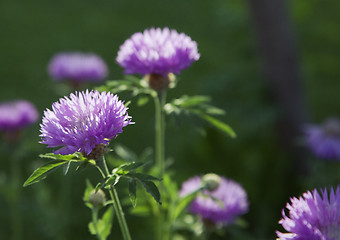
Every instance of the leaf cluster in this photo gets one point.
(57, 162)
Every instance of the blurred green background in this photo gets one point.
(229, 71)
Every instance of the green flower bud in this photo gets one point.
(97, 199)
(211, 181)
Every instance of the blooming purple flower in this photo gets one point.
(324, 140)
(157, 51)
(17, 114)
(221, 205)
(312, 217)
(77, 67)
(83, 121)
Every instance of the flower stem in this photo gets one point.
(95, 221)
(115, 200)
(160, 99)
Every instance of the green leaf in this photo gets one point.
(67, 167)
(152, 189)
(92, 229)
(98, 186)
(133, 191)
(143, 177)
(142, 100)
(184, 202)
(113, 180)
(130, 166)
(87, 193)
(219, 125)
(43, 171)
(74, 156)
(186, 101)
(105, 224)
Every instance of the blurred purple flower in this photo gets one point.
(312, 217)
(17, 114)
(324, 140)
(222, 205)
(77, 67)
(157, 51)
(83, 121)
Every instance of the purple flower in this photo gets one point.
(222, 205)
(17, 114)
(324, 140)
(312, 217)
(83, 121)
(157, 51)
(77, 67)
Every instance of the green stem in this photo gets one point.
(115, 200)
(95, 221)
(160, 99)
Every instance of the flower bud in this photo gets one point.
(97, 152)
(159, 82)
(211, 181)
(97, 199)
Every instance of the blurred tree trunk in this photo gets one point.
(280, 65)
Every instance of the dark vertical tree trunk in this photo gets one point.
(281, 69)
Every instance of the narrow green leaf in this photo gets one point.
(43, 171)
(130, 166)
(133, 192)
(67, 167)
(186, 101)
(219, 125)
(143, 177)
(74, 156)
(211, 110)
(152, 189)
(87, 193)
(184, 202)
(98, 186)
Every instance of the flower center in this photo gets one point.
(97, 152)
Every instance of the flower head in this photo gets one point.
(77, 67)
(83, 122)
(157, 51)
(312, 217)
(222, 205)
(17, 114)
(324, 140)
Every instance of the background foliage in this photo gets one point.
(229, 71)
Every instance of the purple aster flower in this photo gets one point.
(157, 51)
(83, 121)
(220, 203)
(16, 115)
(77, 67)
(324, 140)
(312, 217)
